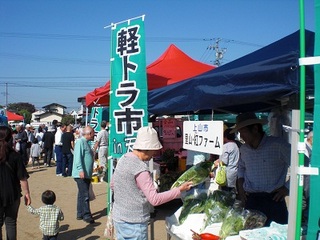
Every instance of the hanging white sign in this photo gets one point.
(203, 136)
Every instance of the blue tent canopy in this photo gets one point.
(258, 81)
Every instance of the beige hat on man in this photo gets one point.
(246, 119)
(147, 139)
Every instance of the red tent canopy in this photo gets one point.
(171, 67)
(13, 116)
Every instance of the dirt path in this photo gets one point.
(66, 192)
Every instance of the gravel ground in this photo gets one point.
(66, 193)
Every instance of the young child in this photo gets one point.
(35, 152)
(50, 215)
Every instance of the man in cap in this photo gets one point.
(262, 170)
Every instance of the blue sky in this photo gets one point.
(57, 51)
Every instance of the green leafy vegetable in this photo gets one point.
(232, 224)
(196, 174)
(192, 205)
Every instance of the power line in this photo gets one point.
(52, 59)
(56, 77)
(226, 40)
(56, 85)
(107, 38)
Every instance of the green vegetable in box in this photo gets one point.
(216, 214)
(218, 204)
(232, 224)
(196, 174)
(225, 197)
(192, 205)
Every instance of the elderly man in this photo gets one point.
(82, 173)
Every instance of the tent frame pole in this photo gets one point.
(302, 120)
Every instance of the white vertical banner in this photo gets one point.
(203, 136)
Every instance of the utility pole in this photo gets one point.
(219, 52)
(6, 96)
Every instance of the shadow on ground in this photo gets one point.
(78, 233)
(99, 214)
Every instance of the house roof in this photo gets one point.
(54, 104)
(51, 113)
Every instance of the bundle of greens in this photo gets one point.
(192, 205)
(218, 204)
(227, 198)
(238, 219)
(196, 174)
(232, 224)
(216, 214)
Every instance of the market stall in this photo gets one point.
(218, 214)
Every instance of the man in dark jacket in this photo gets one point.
(22, 139)
(48, 141)
(67, 140)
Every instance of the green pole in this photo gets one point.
(302, 118)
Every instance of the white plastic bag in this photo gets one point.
(17, 146)
(109, 231)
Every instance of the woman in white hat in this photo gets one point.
(133, 188)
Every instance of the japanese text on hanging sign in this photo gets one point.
(129, 119)
(128, 96)
(203, 136)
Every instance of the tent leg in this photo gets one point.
(293, 175)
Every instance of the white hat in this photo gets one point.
(147, 139)
(28, 125)
(21, 124)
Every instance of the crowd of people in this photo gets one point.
(58, 145)
(256, 172)
(54, 144)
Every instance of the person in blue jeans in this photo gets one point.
(67, 140)
(58, 148)
(82, 173)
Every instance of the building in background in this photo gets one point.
(50, 112)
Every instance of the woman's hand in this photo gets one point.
(185, 186)
(216, 163)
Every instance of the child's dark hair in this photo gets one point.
(48, 197)
(35, 140)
